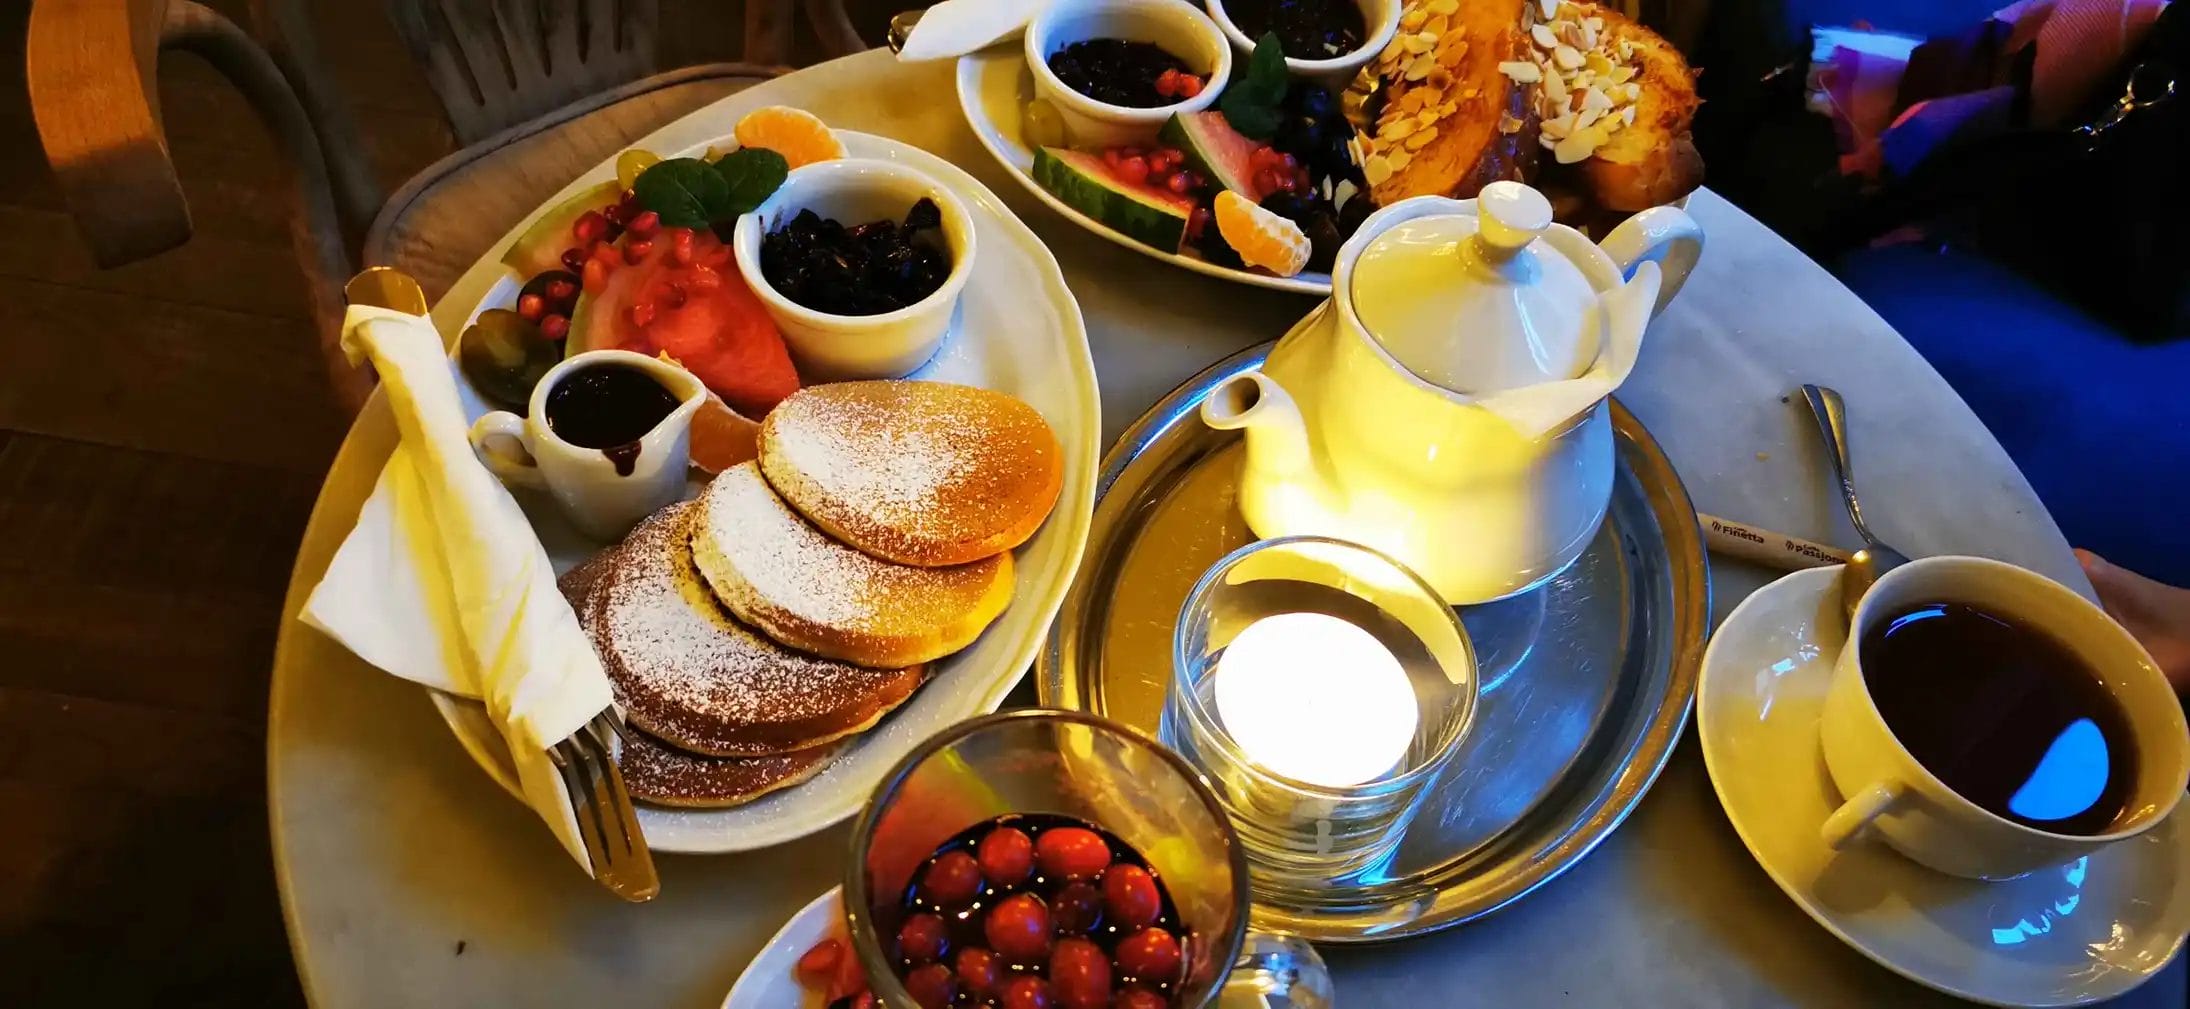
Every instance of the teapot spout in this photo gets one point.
(1279, 465)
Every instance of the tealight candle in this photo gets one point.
(1316, 699)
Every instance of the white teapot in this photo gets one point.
(1448, 405)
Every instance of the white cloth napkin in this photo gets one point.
(1623, 312)
(954, 28)
(443, 582)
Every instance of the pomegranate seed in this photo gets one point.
(637, 249)
(1072, 853)
(1076, 909)
(1164, 159)
(1140, 998)
(1113, 155)
(615, 215)
(1007, 856)
(642, 314)
(1130, 895)
(980, 971)
(629, 201)
(574, 259)
(1080, 975)
(1018, 928)
(1197, 222)
(561, 291)
(1134, 168)
(1026, 993)
(701, 278)
(645, 225)
(954, 880)
(933, 986)
(593, 276)
(590, 226)
(1181, 183)
(680, 246)
(1267, 181)
(817, 965)
(1150, 955)
(922, 939)
(555, 327)
(1190, 86)
(674, 294)
(531, 306)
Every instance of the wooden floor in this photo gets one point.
(162, 436)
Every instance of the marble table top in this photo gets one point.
(409, 878)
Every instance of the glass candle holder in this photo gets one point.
(1322, 686)
(1040, 761)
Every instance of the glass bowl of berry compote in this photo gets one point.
(1041, 859)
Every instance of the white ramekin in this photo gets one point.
(1187, 33)
(829, 347)
(1380, 20)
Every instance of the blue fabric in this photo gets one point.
(2099, 425)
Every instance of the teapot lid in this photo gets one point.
(1479, 303)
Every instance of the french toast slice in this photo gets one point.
(1458, 123)
(1654, 160)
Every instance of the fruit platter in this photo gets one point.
(1251, 142)
(869, 397)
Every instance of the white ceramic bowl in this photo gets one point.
(1380, 20)
(1187, 33)
(829, 347)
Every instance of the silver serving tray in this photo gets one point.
(1587, 680)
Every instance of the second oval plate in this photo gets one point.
(994, 85)
(1587, 681)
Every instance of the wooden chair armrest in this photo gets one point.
(90, 66)
(92, 70)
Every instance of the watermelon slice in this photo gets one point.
(1215, 150)
(699, 313)
(540, 248)
(1140, 211)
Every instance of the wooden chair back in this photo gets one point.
(497, 63)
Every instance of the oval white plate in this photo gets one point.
(1018, 331)
(768, 982)
(2073, 935)
(993, 85)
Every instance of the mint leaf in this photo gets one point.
(1254, 102)
(752, 174)
(686, 192)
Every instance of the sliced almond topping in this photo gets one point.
(1448, 109)
(1396, 129)
(1420, 68)
(1452, 48)
(1595, 24)
(1555, 89)
(1443, 8)
(1611, 123)
(1542, 35)
(1567, 57)
(1520, 72)
(1621, 75)
(1550, 8)
(1412, 20)
(1589, 36)
(1428, 120)
(1399, 159)
(1421, 139)
(1376, 169)
(1509, 125)
(1627, 115)
(1470, 94)
(1632, 91)
(1595, 99)
(1627, 49)
(1575, 148)
(1597, 63)
(1412, 101)
(1419, 42)
(1558, 127)
(1587, 118)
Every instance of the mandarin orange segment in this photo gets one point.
(798, 135)
(1261, 237)
(722, 437)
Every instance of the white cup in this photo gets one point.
(1891, 797)
(601, 497)
(828, 347)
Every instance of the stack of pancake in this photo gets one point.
(749, 633)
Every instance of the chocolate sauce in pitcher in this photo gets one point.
(609, 407)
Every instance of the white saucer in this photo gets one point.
(768, 982)
(2081, 933)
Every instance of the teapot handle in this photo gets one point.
(1665, 235)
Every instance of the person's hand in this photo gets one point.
(2157, 615)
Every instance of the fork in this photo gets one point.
(608, 826)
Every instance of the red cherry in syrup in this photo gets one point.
(933, 986)
(1079, 974)
(531, 307)
(1006, 856)
(981, 971)
(1018, 928)
(1130, 896)
(554, 327)
(1139, 998)
(1076, 909)
(562, 292)
(953, 880)
(1026, 993)
(1071, 853)
(923, 938)
(1150, 955)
